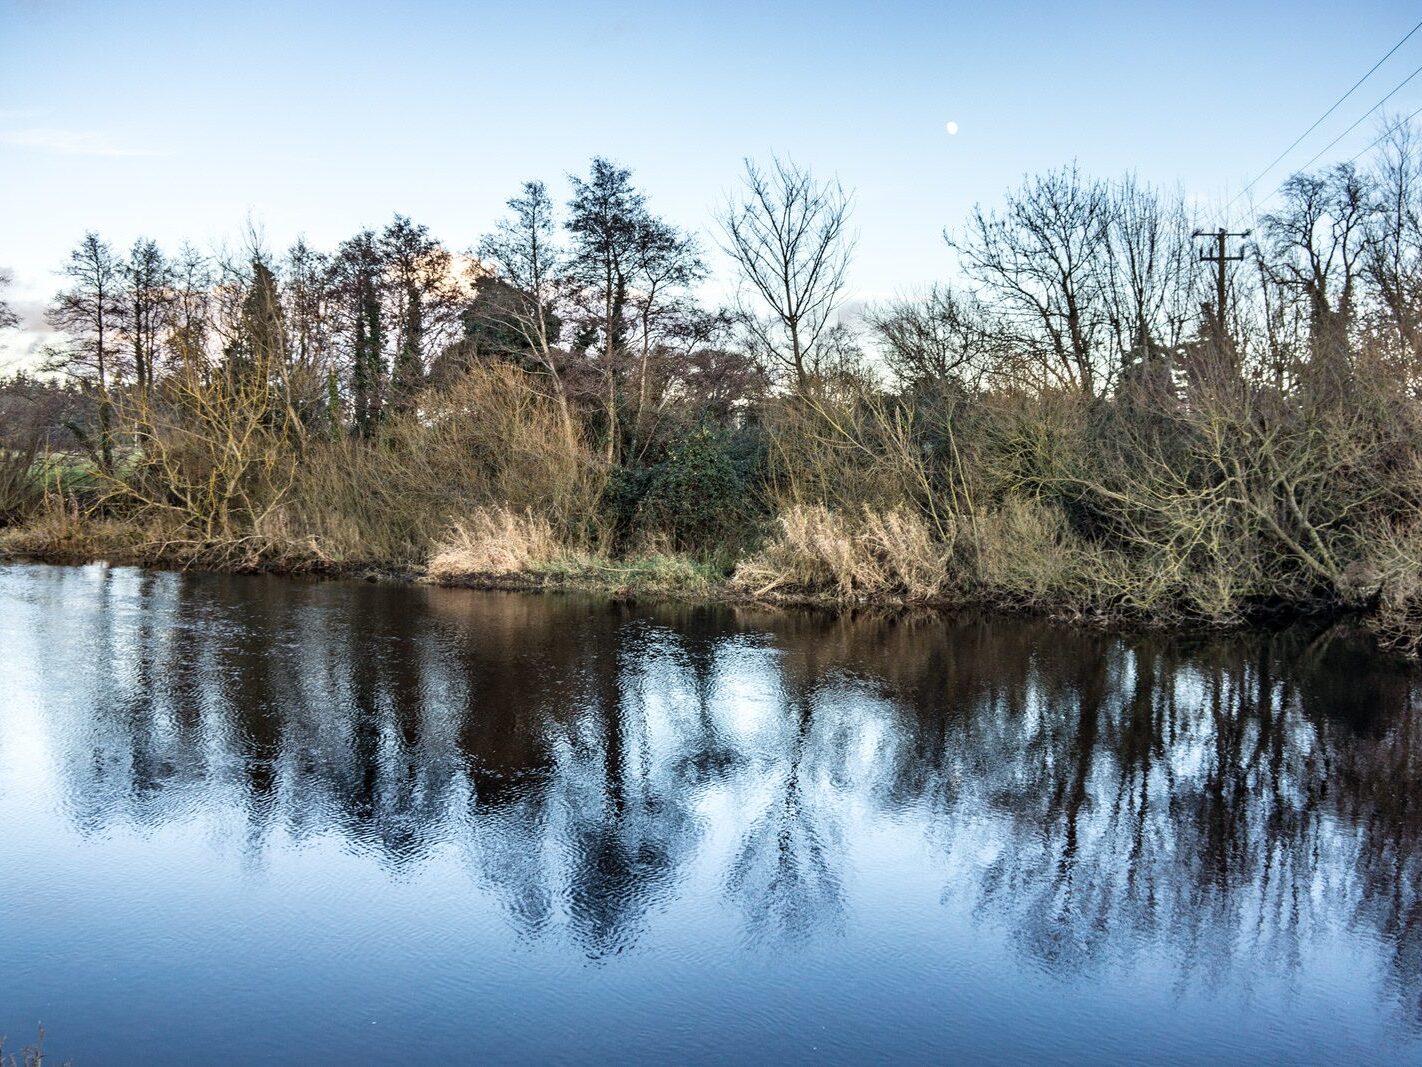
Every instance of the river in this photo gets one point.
(253, 819)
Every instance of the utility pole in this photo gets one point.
(1220, 258)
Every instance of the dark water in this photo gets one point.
(255, 820)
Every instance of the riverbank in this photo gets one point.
(804, 567)
(1223, 512)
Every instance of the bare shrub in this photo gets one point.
(497, 436)
(854, 447)
(1024, 551)
(1394, 568)
(214, 452)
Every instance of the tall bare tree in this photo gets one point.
(1152, 282)
(147, 292)
(939, 336)
(307, 299)
(605, 215)
(527, 285)
(665, 263)
(190, 311)
(1393, 261)
(788, 234)
(90, 313)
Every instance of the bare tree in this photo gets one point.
(90, 313)
(788, 234)
(1315, 250)
(1152, 274)
(939, 336)
(190, 311)
(523, 251)
(308, 308)
(1393, 260)
(147, 291)
(665, 262)
(1041, 265)
(526, 259)
(1268, 329)
(605, 216)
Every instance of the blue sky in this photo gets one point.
(180, 119)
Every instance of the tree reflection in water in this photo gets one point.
(1210, 803)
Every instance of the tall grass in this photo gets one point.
(21, 490)
(494, 541)
(817, 551)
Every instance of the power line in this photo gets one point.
(1387, 133)
(1359, 121)
(1317, 122)
(1356, 123)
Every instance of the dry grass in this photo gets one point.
(497, 544)
(494, 541)
(62, 528)
(818, 551)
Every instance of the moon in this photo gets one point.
(952, 128)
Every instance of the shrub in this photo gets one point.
(700, 494)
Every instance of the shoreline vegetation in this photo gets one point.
(1079, 427)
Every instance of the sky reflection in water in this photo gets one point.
(246, 818)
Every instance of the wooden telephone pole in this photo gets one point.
(1220, 258)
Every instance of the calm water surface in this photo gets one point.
(258, 820)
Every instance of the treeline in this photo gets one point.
(598, 304)
(1079, 422)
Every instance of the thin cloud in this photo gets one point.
(31, 316)
(24, 349)
(71, 143)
